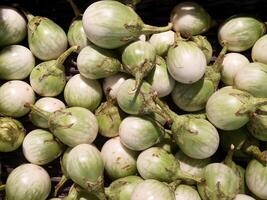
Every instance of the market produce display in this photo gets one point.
(124, 110)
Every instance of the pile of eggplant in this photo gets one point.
(177, 120)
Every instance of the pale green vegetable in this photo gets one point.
(83, 92)
(86, 167)
(94, 62)
(193, 97)
(256, 178)
(252, 79)
(186, 62)
(138, 133)
(243, 197)
(13, 27)
(160, 79)
(259, 49)
(196, 137)
(240, 33)
(119, 161)
(185, 192)
(232, 63)
(13, 96)
(28, 181)
(72, 126)
(156, 163)
(41, 147)
(46, 39)
(110, 24)
(76, 35)
(229, 108)
(16, 62)
(152, 189)
(221, 183)
(189, 18)
(162, 42)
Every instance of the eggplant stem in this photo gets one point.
(28, 15)
(38, 111)
(97, 188)
(2, 187)
(148, 29)
(261, 102)
(184, 175)
(138, 82)
(100, 194)
(229, 157)
(163, 110)
(262, 112)
(73, 193)
(75, 8)
(255, 152)
(110, 100)
(173, 185)
(177, 38)
(62, 181)
(217, 66)
(61, 59)
(166, 109)
(132, 3)
(161, 113)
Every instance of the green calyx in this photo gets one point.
(109, 118)
(255, 152)
(138, 28)
(60, 184)
(60, 119)
(12, 133)
(122, 188)
(33, 23)
(139, 59)
(97, 188)
(77, 193)
(213, 73)
(250, 103)
(142, 101)
(204, 45)
(257, 125)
